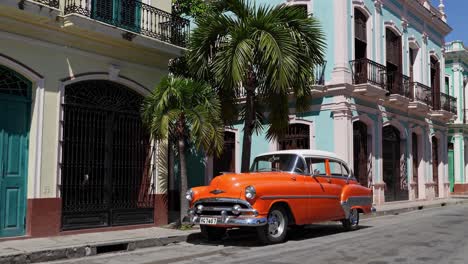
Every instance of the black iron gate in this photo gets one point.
(106, 158)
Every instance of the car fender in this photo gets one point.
(355, 196)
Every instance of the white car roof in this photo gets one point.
(306, 153)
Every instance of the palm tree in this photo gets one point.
(268, 51)
(185, 111)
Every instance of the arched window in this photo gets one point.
(435, 82)
(360, 35)
(298, 137)
(14, 84)
(394, 61)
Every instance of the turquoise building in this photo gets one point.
(456, 83)
(378, 102)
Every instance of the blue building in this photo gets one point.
(379, 106)
(456, 83)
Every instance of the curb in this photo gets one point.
(73, 252)
(419, 207)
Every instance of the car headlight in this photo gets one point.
(250, 192)
(189, 195)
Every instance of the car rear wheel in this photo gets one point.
(352, 222)
(276, 228)
(212, 233)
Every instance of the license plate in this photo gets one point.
(208, 221)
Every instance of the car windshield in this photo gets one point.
(278, 162)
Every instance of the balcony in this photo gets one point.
(421, 97)
(398, 85)
(369, 77)
(132, 16)
(448, 103)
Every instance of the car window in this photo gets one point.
(278, 162)
(316, 166)
(300, 166)
(335, 168)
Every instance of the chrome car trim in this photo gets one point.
(273, 197)
(227, 209)
(355, 201)
(360, 200)
(223, 200)
(231, 220)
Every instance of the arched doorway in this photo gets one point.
(15, 105)
(396, 184)
(298, 137)
(451, 165)
(106, 156)
(415, 152)
(435, 165)
(360, 152)
(227, 161)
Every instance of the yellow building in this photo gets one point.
(73, 154)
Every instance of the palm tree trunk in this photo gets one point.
(248, 129)
(183, 180)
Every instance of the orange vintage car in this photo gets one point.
(282, 189)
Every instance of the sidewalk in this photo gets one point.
(393, 208)
(80, 245)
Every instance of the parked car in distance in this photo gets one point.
(283, 188)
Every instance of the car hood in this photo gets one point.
(233, 185)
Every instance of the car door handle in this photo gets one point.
(293, 178)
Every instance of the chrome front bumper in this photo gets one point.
(231, 220)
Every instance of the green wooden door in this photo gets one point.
(122, 13)
(451, 166)
(14, 120)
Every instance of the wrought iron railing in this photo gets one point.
(368, 71)
(134, 16)
(398, 83)
(422, 93)
(448, 103)
(51, 3)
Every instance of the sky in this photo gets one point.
(457, 18)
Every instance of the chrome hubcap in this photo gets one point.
(276, 223)
(354, 217)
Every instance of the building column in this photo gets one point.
(409, 146)
(465, 144)
(343, 134)
(428, 179)
(378, 31)
(425, 69)
(458, 90)
(441, 166)
(341, 72)
(378, 184)
(459, 157)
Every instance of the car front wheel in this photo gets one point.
(352, 222)
(276, 228)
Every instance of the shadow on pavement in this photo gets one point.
(247, 237)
